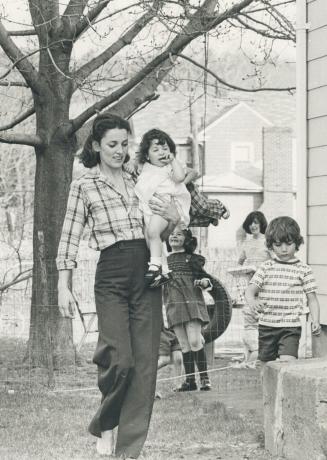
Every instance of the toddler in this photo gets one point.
(163, 175)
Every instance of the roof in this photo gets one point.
(230, 182)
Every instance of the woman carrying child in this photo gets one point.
(185, 306)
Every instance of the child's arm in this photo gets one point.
(178, 171)
(242, 257)
(191, 175)
(314, 307)
(251, 298)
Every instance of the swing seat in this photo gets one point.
(220, 313)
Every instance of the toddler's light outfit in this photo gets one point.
(155, 179)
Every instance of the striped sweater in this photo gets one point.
(282, 289)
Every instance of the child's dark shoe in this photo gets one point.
(186, 386)
(205, 385)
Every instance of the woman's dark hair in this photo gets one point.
(101, 124)
(255, 215)
(148, 137)
(283, 230)
(190, 242)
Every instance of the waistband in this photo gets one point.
(126, 244)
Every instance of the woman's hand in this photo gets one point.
(66, 302)
(164, 208)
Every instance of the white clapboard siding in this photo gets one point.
(317, 249)
(317, 191)
(317, 221)
(317, 164)
(317, 14)
(317, 72)
(317, 43)
(323, 308)
(317, 132)
(317, 146)
(320, 272)
(317, 106)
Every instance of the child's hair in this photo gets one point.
(148, 137)
(101, 124)
(190, 242)
(250, 218)
(283, 230)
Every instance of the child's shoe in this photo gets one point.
(186, 386)
(205, 385)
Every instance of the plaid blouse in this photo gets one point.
(94, 202)
(204, 211)
(282, 289)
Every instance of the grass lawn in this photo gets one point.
(226, 423)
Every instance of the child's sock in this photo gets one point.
(155, 263)
(188, 362)
(201, 362)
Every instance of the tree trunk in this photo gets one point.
(51, 337)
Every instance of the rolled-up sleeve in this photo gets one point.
(74, 223)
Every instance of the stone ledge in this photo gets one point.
(295, 409)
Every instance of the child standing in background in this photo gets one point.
(185, 306)
(163, 175)
(254, 250)
(276, 292)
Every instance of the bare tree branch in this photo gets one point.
(21, 33)
(22, 276)
(19, 61)
(74, 10)
(265, 33)
(19, 119)
(248, 90)
(20, 138)
(202, 20)
(288, 33)
(125, 40)
(85, 22)
(46, 18)
(14, 83)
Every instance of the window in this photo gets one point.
(242, 153)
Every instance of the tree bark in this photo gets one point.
(50, 334)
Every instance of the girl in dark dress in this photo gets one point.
(186, 310)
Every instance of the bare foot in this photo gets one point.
(105, 444)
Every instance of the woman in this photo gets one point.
(129, 316)
(254, 250)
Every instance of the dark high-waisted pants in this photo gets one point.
(129, 322)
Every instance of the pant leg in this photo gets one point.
(145, 327)
(113, 354)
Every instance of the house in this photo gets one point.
(312, 143)
(245, 151)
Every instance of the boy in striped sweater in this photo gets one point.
(278, 292)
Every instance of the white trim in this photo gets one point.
(241, 104)
(301, 124)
